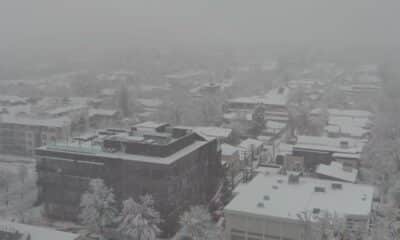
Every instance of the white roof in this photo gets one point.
(288, 200)
(347, 155)
(30, 121)
(186, 74)
(275, 125)
(329, 144)
(228, 150)
(38, 233)
(248, 143)
(95, 150)
(335, 170)
(349, 113)
(149, 124)
(217, 132)
(12, 99)
(150, 102)
(16, 109)
(238, 116)
(102, 112)
(66, 109)
(273, 97)
(349, 121)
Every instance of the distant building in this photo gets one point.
(187, 77)
(322, 150)
(271, 206)
(6, 100)
(274, 102)
(18, 231)
(79, 115)
(347, 123)
(102, 118)
(178, 167)
(337, 171)
(250, 146)
(21, 135)
(230, 159)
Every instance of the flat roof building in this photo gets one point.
(178, 167)
(269, 206)
(18, 231)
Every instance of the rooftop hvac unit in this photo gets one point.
(319, 189)
(260, 205)
(316, 210)
(337, 186)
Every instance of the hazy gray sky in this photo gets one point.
(88, 22)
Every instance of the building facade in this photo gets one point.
(21, 135)
(282, 207)
(178, 167)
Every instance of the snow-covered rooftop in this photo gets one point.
(217, 132)
(149, 124)
(102, 112)
(329, 144)
(347, 155)
(95, 150)
(37, 233)
(249, 143)
(245, 116)
(275, 125)
(67, 109)
(150, 102)
(349, 113)
(30, 121)
(228, 150)
(186, 74)
(283, 200)
(277, 96)
(12, 99)
(337, 171)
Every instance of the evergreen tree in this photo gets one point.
(197, 223)
(97, 206)
(140, 220)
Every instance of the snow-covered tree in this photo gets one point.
(197, 223)
(140, 220)
(97, 206)
(324, 226)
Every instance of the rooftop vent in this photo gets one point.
(344, 144)
(319, 189)
(337, 186)
(260, 205)
(294, 178)
(266, 197)
(364, 197)
(316, 210)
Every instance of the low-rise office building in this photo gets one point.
(177, 166)
(271, 205)
(21, 135)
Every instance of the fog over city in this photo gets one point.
(200, 120)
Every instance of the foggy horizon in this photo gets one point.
(95, 24)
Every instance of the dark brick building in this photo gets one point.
(177, 166)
